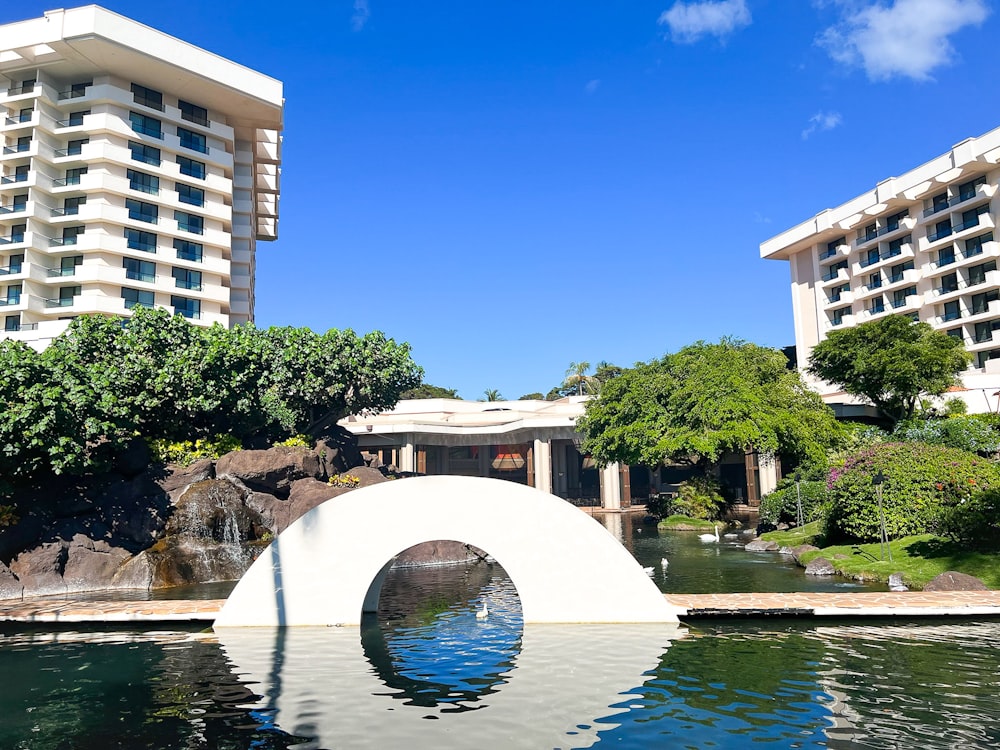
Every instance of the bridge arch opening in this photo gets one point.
(325, 569)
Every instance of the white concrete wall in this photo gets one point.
(326, 566)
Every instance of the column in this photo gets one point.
(408, 455)
(543, 465)
(768, 470)
(611, 487)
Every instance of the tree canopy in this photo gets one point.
(890, 362)
(426, 390)
(105, 381)
(705, 400)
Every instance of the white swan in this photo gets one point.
(664, 562)
(710, 537)
(483, 613)
(648, 571)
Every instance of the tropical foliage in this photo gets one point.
(102, 382)
(890, 362)
(705, 400)
(781, 505)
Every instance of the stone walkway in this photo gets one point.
(862, 604)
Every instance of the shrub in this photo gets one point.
(919, 480)
(780, 505)
(968, 433)
(297, 441)
(699, 497)
(8, 516)
(186, 452)
(974, 520)
(344, 480)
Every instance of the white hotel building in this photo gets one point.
(922, 244)
(136, 169)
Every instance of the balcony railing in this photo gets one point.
(11, 179)
(60, 302)
(832, 274)
(20, 148)
(149, 130)
(147, 278)
(62, 241)
(14, 239)
(10, 270)
(15, 327)
(144, 188)
(967, 224)
(72, 122)
(74, 93)
(948, 317)
(190, 314)
(69, 211)
(9, 301)
(192, 285)
(18, 90)
(940, 235)
(60, 271)
(898, 303)
(64, 181)
(19, 119)
(72, 151)
(14, 209)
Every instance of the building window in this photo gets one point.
(71, 206)
(141, 211)
(838, 315)
(188, 250)
(193, 113)
(17, 232)
(12, 323)
(139, 240)
(952, 311)
(896, 246)
(974, 245)
(75, 118)
(13, 294)
(870, 232)
(970, 218)
(946, 255)
(967, 190)
(189, 308)
(25, 114)
(137, 298)
(70, 235)
(75, 147)
(14, 263)
(949, 283)
(67, 294)
(189, 222)
(186, 279)
(874, 280)
(900, 295)
(897, 271)
(139, 270)
(192, 195)
(892, 222)
(981, 302)
(145, 154)
(941, 229)
(983, 332)
(21, 173)
(870, 257)
(147, 97)
(939, 202)
(877, 306)
(20, 202)
(977, 274)
(144, 183)
(145, 125)
(191, 168)
(194, 141)
(76, 90)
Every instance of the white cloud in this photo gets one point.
(822, 121)
(908, 38)
(361, 14)
(689, 22)
(592, 85)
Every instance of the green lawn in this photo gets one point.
(918, 558)
(684, 523)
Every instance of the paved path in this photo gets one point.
(862, 604)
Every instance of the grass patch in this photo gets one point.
(685, 523)
(919, 558)
(808, 534)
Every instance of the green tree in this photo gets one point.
(703, 401)
(426, 390)
(492, 394)
(531, 397)
(890, 362)
(577, 379)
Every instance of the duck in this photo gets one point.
(483, 613)
(648, 571)
(710, 537)
(664, 562)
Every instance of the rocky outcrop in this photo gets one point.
(144, 526)
(820, 566)
(760, 545)
(952, 580)
(439, 553)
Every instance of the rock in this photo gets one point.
(896, 582)
(338, 450)
(952, 580)
(820, 567)
(800, 549)
(783, 526)
(439, 553)
(40, 569)
(841, 556)
(180, 478)
(88, 561)
(760, 545)
(10, 586)
(133, 459)
(271, 471)
(785, 551)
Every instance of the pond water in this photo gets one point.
(429, 673)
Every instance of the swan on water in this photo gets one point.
(664, 562)
(710, 537)
(483, 613)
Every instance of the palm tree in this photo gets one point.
(577, 377)
(492, 394)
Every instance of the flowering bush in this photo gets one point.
(186, 452)
(344, 480)
(919, 482)
(976, 432)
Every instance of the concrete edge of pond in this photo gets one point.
(910, 604)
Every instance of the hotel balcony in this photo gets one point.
(840, 276)
(886, 233)
(966, 200)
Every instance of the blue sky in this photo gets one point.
(511, 187)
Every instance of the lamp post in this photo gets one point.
(877, 481)
(799, 515)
